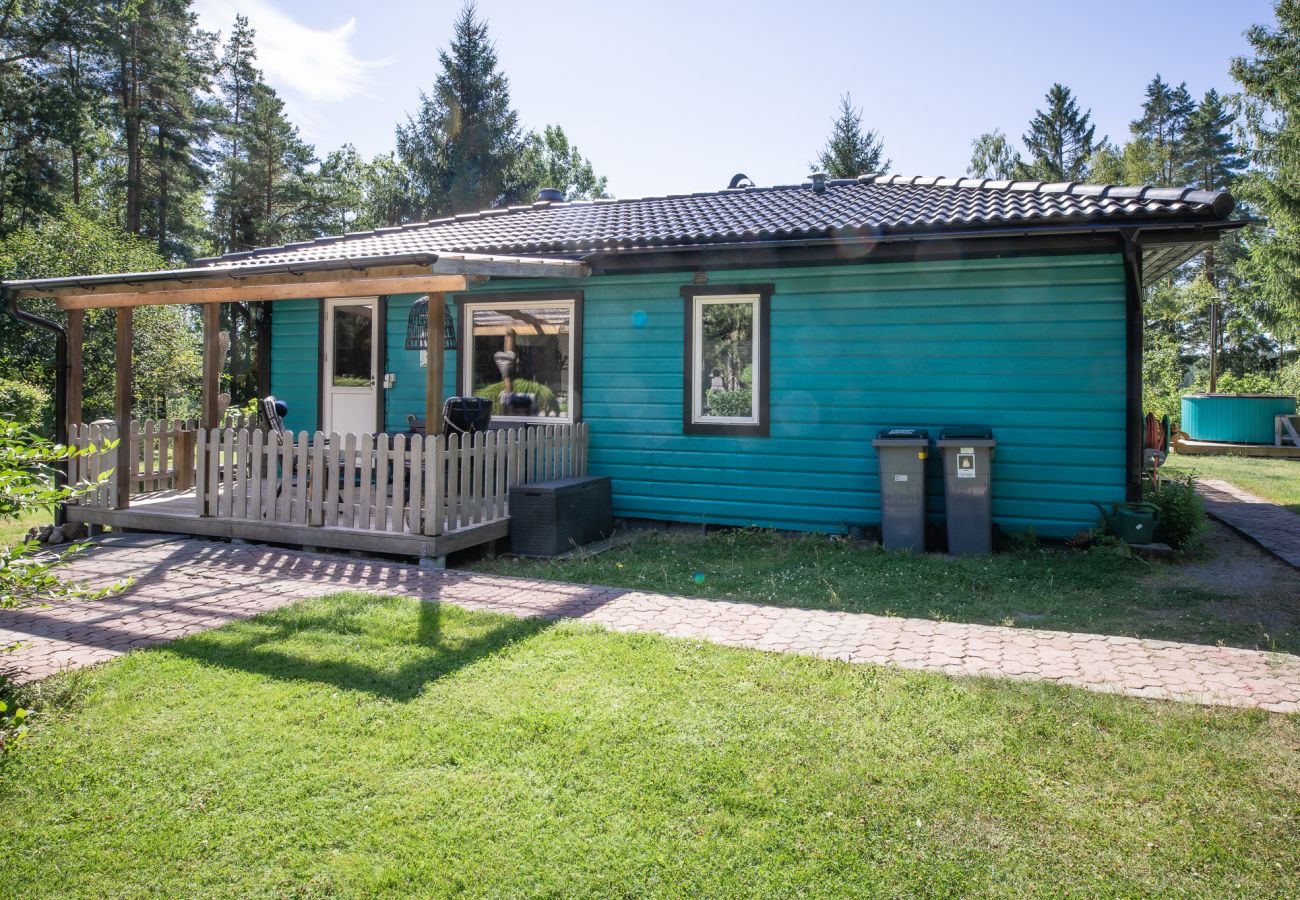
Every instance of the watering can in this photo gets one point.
(1133, 523)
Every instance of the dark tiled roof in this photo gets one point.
(869, 205)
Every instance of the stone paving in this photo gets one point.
(1275, 529)
(182, 586)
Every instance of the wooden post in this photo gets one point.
(123, 469)
(433, 366)
(76, 368)
(211, 364)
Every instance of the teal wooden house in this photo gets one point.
(732, 354)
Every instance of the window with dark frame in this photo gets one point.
(522, 352)
(727, 330)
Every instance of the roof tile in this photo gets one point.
(866, 206)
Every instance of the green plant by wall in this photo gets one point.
(26, 404)
(729, 403)
(1183, 524)
(544, 396)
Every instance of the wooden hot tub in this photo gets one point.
(1234, 418)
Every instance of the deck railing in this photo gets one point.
(162, 452)
(400, 483)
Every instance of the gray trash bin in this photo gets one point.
(902, 453)
(967, 469)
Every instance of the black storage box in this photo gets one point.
(548, 518)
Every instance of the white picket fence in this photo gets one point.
(162, 452)
(378, 482)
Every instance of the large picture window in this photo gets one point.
(726, 359)
(521, 352)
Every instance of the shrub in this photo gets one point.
(1182, 515)
(729, 403)
(25, 404)
(545, 397)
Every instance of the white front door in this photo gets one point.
(351, 360)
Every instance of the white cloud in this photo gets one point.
(314, 66)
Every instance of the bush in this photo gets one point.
(1182, 515)
(547, 405)
(729, 403)
(26, 404)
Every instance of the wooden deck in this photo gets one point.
(1218, 448)
(176, 512)
(376, 493)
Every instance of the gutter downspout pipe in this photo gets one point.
(61, 367)
(1133, 334)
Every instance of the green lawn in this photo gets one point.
(366, 746)
(1069, 590)
(14, 530)
(1273, 479)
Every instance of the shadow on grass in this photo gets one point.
(338, 643)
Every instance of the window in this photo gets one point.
(521, 352)
(726, 381)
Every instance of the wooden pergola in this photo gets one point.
(435, 274)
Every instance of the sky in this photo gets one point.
(673, 97)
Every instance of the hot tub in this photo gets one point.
(1234, 418)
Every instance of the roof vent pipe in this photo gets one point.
(550, 195)
(818, 182)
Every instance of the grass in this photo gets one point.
(1098, 592)
(1277, 480)
(14, 530)
(366, 746)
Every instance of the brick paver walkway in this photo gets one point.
(183, 586)
(1275, 529)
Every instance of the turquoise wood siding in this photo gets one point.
(1032, 346)
(295, 347)
(406, 397)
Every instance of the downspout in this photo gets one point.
(1133, 334)
(60, 381)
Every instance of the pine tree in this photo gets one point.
(992, 156)
(849, 152)
(1210, 157)
(1165, 112)
(237, 75)
(1059, 140)
(463, 149)
(1270, 84)
(160, 65)
(278, 198)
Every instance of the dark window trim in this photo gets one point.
(764, 294)
(575, 362)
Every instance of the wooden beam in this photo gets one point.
(227, 278)
(285, 290)
(211, 364)
(122, 469)
(433, 380)
(76, 365)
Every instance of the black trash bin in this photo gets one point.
(902, 453)
(967, 482)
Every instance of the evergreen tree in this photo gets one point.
(1059, 140)
(464, 148)
(550, 161)
(1270, 84)
(1161, 127)
(278, 204)
(992, 156)
(160, 66)
(237, 75)
(1210, 156)
(849, 152)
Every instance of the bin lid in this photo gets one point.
(959, 432)
(902, 434)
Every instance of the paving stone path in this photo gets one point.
(1275, 529)
(184, 586)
